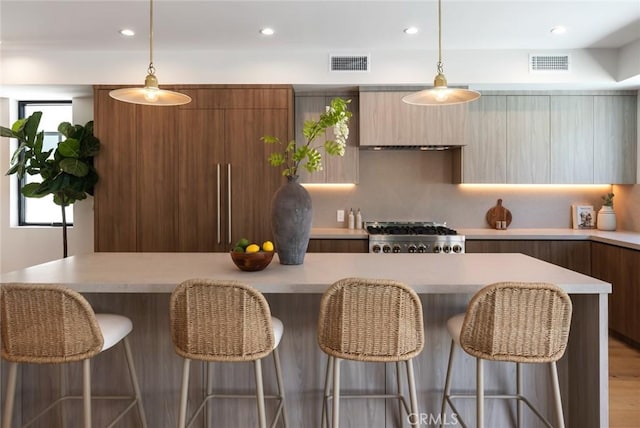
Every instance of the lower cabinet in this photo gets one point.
(574, 255)
(338, 246)
(621, 267)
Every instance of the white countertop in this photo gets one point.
(426, 273)
(619, 238)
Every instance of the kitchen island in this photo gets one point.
(138, 285)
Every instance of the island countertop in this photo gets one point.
(428, 274)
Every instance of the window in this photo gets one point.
(42, 211)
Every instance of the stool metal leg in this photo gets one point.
(134, 381)
(184, 392)
(260, 394)
(447, 383)
(336, 393)
(276, 359)
(556, 395)
(11, 393)
(86, 391)
(480, 394)
(519, 392)
(399, 389)
(327, 376)
(412, 393)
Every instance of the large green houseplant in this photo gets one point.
(67, 171)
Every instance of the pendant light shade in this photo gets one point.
(441, 94)
(150, 94)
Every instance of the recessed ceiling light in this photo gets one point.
(411, 30)
(558, 29)
(127, 32)
(267, 31)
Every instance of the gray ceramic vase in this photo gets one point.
(291, 215)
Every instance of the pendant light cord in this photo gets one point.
(440, 67)
(152, 69)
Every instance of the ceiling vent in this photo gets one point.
(349, 62)
(549, 63)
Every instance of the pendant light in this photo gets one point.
(150, 94)
(440, 94)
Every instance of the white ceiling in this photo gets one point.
(319, 24)
(205, 27)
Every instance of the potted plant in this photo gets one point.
(291, 210)
(67, 171)
(606, 215)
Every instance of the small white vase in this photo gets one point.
(606, 218)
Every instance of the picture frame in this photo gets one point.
(583, 216)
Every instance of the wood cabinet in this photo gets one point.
(621, 267)
(338, 246)
(188, 178)
(552, 138)
(336, 169)
(615, 138)
(574, 255)
(572, 154)
(528, 139)
(484, 158)
(387, 121)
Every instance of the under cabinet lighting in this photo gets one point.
(267, 31)
(411, 30)
(127, 32)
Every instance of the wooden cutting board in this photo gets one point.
(498, 213)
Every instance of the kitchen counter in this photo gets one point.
(619, 238)
(436, 273)
(137, 285)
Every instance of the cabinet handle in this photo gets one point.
(218, 203)
(229, 199)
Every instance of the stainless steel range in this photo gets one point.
(413, 237)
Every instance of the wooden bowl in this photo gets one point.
(253, 261)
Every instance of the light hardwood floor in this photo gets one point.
(624, 385)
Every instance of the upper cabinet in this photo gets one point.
(528, 139)
(335, 169)
(387, 121)
(615, 130)
(571, 140)
(485, 158)
(557, 139)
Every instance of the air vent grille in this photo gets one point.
(546, 63)
(349, 62)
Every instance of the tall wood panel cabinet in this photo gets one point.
(188, 178)
(336, 169)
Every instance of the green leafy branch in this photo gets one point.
(306, 155)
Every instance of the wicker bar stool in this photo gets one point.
(52, 324)
(370, 320)
(514, 322)
(225, 321)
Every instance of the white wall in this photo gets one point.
(590, 68)
(26, 246)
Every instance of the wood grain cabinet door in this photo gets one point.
(116, 193)
(200, 194)
(250, 181)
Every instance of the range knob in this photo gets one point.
(386, 249)
(447, 248)
(396, 248)
(375, 248)
(437, 248)
(411, 248)
(422, 248)
(457, 248)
